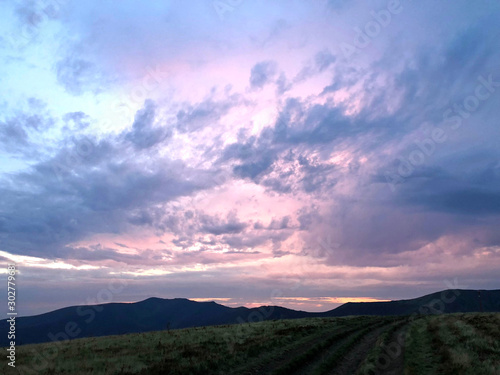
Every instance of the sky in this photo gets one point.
(293, 153)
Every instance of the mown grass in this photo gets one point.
(444, 344)
(465, 349)
(420, 356)
(376, 358)
(306, 356)
(201, 350)
(467, 344)
(333, 360)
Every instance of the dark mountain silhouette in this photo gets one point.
(159, 314)
(447, 301)
(152, 314)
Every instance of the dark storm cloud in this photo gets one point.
(449, 183)
(321, 62)
(256, 156)
(262, 73)
(434, 79)
(144, 133)
(277, 185)
(311, 125)
(457, 196)
(217, 226)
(91, 186)
(275, 224)
(206, 113)
(468, 202)
(473, 192)
(253, 169)
(324, 59)
(106, 190)
(21, 132)
(13, 135)
(191, 229)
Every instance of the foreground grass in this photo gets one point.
(445, 344)
(188, 351)
(454, 344)
(377, 358)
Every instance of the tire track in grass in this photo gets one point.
(312, 365)
(347, 358)
(395, 350)
(387, 355)
(314, 354)
(305, 355)
(268, 362)
(421, 354)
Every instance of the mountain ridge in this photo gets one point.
(154, 313)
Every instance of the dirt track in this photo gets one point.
(339, 352)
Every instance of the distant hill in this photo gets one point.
(159, 314)
(446, 301)
(152, 314)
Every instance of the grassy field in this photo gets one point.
(443, 344)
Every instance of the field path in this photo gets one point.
(309, 368)
(396, 353)
(278, 362)
(289, 351)
(352, 360)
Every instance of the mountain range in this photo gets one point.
(155, 314)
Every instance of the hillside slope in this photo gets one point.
(152, 314)
(156, 314)
(446, 301)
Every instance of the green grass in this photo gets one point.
(465, 349)
(325, 366)
(443, 344)
(375, 357)
(454, 344)
(306, 356)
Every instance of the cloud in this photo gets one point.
(254, 155)
(324, 59)
(144, 134)
(262, 73)
(76, 121)
(216, 226)
(206, 113)
(13, 135)
(78, 75)
(22, 132)
(88, 187)
(255, 168)
(468, 202)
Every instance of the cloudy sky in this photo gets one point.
(297, 153)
